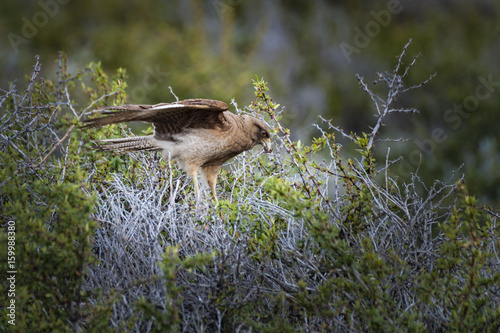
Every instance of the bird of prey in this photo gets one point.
(198, 133)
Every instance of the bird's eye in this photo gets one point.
(263, 133)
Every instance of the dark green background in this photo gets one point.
(214, 49)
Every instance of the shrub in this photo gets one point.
(304, 239)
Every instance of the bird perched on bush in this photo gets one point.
(198, 133)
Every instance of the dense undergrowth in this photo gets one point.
(304, 239)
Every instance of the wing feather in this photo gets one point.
(167, 118)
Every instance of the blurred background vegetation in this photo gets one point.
(308, 51)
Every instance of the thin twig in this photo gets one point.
(70, 129)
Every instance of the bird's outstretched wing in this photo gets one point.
(167, 118)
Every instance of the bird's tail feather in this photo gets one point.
(126, 145)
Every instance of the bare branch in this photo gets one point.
(70, 129)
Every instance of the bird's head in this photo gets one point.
(261, 135)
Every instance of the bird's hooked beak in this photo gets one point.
(266, 142)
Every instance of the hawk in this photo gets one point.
(197, 133)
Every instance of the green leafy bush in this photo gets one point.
(304, 239)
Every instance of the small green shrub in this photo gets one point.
(304, 239)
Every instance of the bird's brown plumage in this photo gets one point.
(198, 133)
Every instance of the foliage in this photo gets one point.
(299, 242)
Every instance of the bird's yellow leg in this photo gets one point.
(194, 174)
(196, 188)
(212, 187)
(210, 175)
